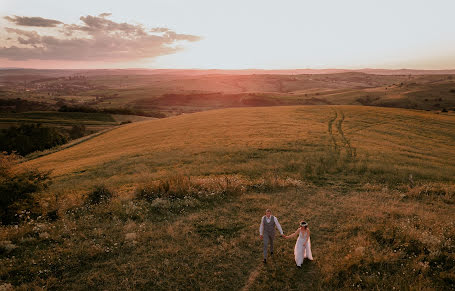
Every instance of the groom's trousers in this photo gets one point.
(268, 239)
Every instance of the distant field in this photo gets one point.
(174, 94)
(64, 118)
(92, 121)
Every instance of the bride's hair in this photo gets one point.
(304, 224)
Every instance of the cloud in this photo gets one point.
(105, 14)
(95, 38)
(32, 21)
(32, 37)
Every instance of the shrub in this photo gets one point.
(99, 195)
(17, 188)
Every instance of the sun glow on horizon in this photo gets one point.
(256, 34)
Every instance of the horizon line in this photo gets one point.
(216, 69)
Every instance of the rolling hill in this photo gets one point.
(188, 92)
(220, 140)
(190, 191)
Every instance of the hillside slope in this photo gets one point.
(250, 141)
(344, 169)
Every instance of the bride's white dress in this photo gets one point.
(302, 251)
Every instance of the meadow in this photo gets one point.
(189, 192)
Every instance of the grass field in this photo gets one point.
(250, 141)
(345, 169)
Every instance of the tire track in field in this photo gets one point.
(347, 144)
(330, 129)
(338, 120)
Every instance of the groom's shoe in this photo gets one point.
(265, 261)
(271, 253)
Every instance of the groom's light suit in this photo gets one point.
(267, 229)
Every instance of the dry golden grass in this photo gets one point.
(242, 140)
(192, 134)
(343, 169)
(367, 238)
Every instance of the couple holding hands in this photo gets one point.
(302, 247)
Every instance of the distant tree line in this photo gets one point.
(21, 105)
(28, 138)
(124, 111)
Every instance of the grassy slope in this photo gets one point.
(365, 232)
(250, 141)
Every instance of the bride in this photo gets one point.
(303, 245)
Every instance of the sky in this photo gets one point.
(231, 34)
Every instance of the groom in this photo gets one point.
(267, 231)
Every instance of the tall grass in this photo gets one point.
(180, 187)
(370, 237)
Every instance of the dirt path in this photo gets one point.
(252, 278)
